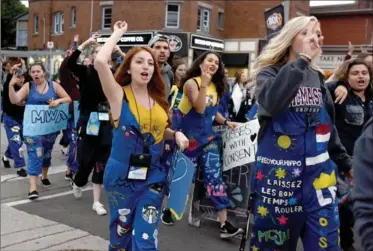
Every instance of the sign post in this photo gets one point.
(50, 46)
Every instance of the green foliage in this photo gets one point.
(9, 10)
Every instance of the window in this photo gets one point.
(73, 16)
(203, 21)
(36, 24)
(106, 18)
(58, 23)
(172, 15)
(221, 20)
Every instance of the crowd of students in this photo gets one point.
(136, 109)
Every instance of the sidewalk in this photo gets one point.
(25, 232)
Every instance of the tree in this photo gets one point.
(9, 10)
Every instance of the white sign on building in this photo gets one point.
(329, 61)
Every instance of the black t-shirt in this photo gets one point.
(14, 111)
(91, 93)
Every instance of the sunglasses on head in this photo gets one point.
(163, 37)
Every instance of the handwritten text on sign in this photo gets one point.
(42, 120)
(239, 145)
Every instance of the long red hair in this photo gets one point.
(156, 85)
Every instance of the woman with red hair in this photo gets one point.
(134, 178)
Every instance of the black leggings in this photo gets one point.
(92, 154)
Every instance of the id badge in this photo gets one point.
(138, 173)
(139, 165)
(103, 116)
(93, 125)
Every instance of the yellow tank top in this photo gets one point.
(174, 91)
(211, 97)
(158, 116)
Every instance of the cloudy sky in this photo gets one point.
(312, 2)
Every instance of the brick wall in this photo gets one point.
(242, 19)
(61, 41)
(299, 7)
(245, 19)
(338, 30)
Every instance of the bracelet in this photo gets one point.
(306, 56)
(225, 121)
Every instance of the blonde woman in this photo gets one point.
(294, 178)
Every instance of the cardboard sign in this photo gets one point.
(239, 145)
(182, 172)
(43, 120)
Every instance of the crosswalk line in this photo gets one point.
(15, 177)
(20, 202)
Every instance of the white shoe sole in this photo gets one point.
(230, 235)
(100, 214)
(33, 197)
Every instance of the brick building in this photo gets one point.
(231, 27)
(341, 24)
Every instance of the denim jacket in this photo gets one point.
(351, 116)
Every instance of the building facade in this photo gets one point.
(233, 28)
(342, 24)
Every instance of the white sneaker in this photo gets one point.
(78, 193)
(99, 208)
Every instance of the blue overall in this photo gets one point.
(294, 182)
(176, 117)
(13, 129)
(72, 135)
(39, 148)
(204, 151)
(135, 206)
(253, 112)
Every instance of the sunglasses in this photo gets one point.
(161, 36)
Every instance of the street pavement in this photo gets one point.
(57, 221)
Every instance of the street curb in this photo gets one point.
(23, 231)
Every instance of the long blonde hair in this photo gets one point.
(278, 48)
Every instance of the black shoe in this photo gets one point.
(5, 162)
(69, 176)
(227, 230)
(22, 172)
(46, 182)
(33, 195)
(167, 217)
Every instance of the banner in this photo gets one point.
(237, 180)
(129, 39)
(239, 145)
(275, 20)
(181, 177)
(76, 113)
(206, 43)
(43, 120)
